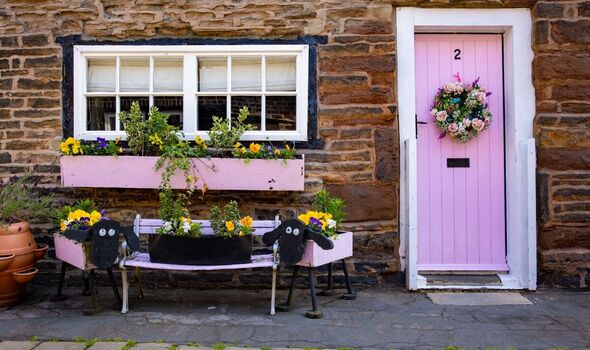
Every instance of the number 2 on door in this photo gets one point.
(457, 54)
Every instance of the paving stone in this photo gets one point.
(472, 299)
(18, 345)
(190, 347)
(107, 345)
(152, 346)
(63, 345)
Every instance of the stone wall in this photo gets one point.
(357, 114)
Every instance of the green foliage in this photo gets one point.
(223, 219)
(325, 202)
(219, 346)
(147, 136)
(175, 215)
(130, 343)
(224, 134)
(19, 201)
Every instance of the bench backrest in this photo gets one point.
(150, 226)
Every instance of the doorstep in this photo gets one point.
(467, 281)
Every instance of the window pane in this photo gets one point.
(168, 74)
(171, 105)
(253, 103)
(101, 75)
(134, 74)
(212, 73)
(209, 106)
(245, 74)
(281, 112)
(100, 113)
(144, 105)
(280, 74)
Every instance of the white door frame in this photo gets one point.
(516, 25)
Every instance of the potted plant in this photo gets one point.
(159, 149)
(73, 220)
(184, 242)
(326, 218)
(19, 203)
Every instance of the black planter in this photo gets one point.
(207, 250)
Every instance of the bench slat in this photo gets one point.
(143, 260)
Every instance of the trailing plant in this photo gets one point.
(224, 134)
(227, 222)
(175, 215)
(80, 216)
(146, 136)
(20, 201)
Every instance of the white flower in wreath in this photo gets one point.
(449, 88)
(453, 127)
(458, 88)
(434, 111)
(481, 97)
(467, 122)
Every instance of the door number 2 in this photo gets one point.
(457, 54)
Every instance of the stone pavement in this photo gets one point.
(378, 319)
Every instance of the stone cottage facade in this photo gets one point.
(353, 146)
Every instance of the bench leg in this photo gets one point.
(273, 290)
(287, 306)
(350, 295)
(125, 304)
(94, 308)
(62, 276)
(329, 291)
(114, 285)
(138, 281)
(314, 312)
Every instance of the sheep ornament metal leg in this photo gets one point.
(292, 236)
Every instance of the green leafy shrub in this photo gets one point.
(176, 216)
(225, 134)
(326, 203)
(20, 201)
(227, 222)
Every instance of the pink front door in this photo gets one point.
(461, 218)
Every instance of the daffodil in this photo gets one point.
(255, 147)
(246, 221)
(229, 225)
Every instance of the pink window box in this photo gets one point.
(71, 252)
(315, 256)
(217, 173)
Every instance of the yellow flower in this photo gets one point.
(94, 217)
(287, 147)
(246, 221)
(156, 140)
(120, 149)
(117, 140)
(77, 215)
(254, 147)
(185, 219)
(243, 150)
(237, 145)
(305, 218)
(277, 152)
(63, 225)
(240, 233)
(200, 142)
(230, 226)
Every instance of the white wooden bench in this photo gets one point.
(142, 260)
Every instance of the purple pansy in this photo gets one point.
(102, 142)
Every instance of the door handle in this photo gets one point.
(418, 122)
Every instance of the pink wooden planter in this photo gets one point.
(217, 173)
(315, 256)
(71, 252)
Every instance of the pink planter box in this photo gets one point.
(217, 173)
(71, 252)
(315, 256)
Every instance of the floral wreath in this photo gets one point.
(461, 110)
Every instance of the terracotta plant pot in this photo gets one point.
(18, 254)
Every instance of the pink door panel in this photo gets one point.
(461, 218)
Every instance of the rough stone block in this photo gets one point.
(107, 346)
(60, 346)
(18, 345)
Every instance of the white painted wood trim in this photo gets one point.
(516, 26)
(189, 53)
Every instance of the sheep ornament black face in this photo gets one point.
(104, 237)
(292, 235)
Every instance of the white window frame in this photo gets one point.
(190, 54)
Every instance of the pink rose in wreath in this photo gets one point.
(453, 127)
(478, 124)
(441, 116)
